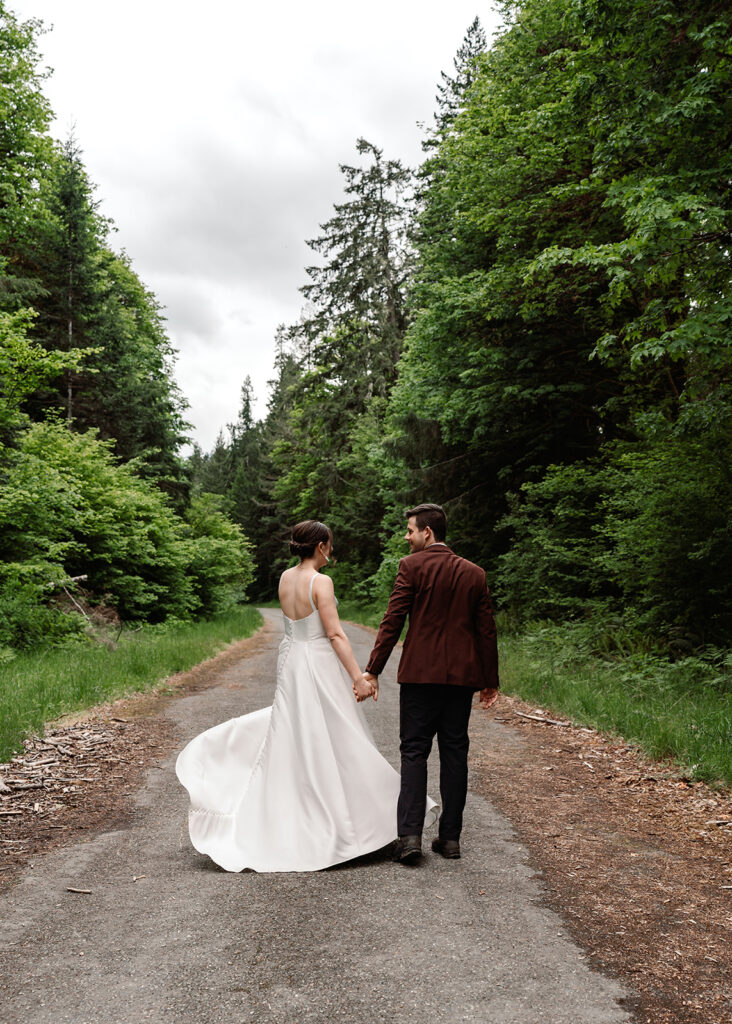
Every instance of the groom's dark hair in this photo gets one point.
(432, 516)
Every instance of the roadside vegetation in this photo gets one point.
(115, 570)
(39, 686)
(678, 709)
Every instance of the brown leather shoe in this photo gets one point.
(407, 849)
(449, 848)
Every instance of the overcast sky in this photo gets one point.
(213, 132)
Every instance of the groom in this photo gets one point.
(449, 652)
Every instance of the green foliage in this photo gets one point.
(69, 501)
(220, 565)
(644, 530)
(24, 366)
(69, 505)
(666, 522)
(27, 621)
(553, 568)
(24, 145)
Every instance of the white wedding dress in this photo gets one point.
(297, 786)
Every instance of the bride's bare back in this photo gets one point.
(294, 591)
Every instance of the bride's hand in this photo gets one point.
(373, 682)
(362, 690)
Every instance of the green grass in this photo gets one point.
(675, 711)
(36, 688)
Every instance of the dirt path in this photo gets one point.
(637, 859)
(163, 935)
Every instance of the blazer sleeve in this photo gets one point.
(400, 604)
(485, 628)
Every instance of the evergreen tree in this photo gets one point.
(350, 341)
(214, 471)
(452, 90)
(133, 398)
(65, 252)
(269, 532)
(356, 317)
(248, 462)
(91, 300)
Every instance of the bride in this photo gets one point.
(300, 785)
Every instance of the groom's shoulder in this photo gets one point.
(468, 568)
(472, 566)
(434, 557)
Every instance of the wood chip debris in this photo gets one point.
(53, 768)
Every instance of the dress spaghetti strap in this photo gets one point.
(310, 592)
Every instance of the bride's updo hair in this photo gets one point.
(307, 535)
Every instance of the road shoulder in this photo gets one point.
(636, 858)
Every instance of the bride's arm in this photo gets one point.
(324, 597)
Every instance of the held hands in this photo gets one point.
(365, 687)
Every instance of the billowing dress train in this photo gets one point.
(297, 786)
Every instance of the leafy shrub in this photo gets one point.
(69, 507)
(69, 501)
(220, 563)
(640, 537)
(26, 621)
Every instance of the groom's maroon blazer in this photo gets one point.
(451, 636)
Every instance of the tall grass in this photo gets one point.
(38, 687)
(680, 710)
(613, 680)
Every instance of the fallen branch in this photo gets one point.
(86, 892)
(538, 718)
(76, 603)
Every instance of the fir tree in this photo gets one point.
(452, 90)
(356, 313)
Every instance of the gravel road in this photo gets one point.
(367, 942)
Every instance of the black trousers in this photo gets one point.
(426, 709)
